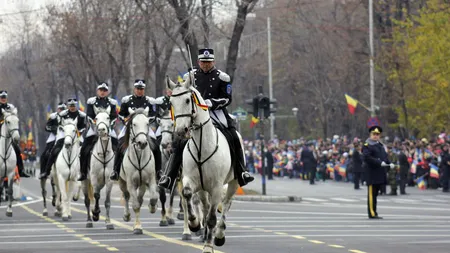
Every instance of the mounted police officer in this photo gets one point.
(4, 105)
(72, 112)
(215, 87)
(135, 101)
(100, 101)
(375, 159)
(52, 128)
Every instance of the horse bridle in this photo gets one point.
(193, 111)
(167, 131)
(10, 131)
(74, 136)
(7, 145)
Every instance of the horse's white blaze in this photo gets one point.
(9, 134)
(67, 167)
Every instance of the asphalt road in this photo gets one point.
(414, 223)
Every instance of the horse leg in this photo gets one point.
(152, 206)
(77, 195)
(162, 198)
(63, 194)
(126, 196)
(180, 215)
(10, 197)
(137, 196)
(96, 211)
(201, 209)
(71, 185)
(52, 183)
(193, 223)
(44, 196)
(219, 237)
(109, 186)
(211, 218)
(87, 202)
(1, 190)
(57, 199)
(169, 215)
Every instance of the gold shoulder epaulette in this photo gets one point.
(366, 144)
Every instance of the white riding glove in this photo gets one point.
(383, 164)
(392, 166)
(208, 103)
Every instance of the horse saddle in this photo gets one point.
(230, 139)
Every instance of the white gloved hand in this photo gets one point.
(208, 103)
(392, 166)
(383, 164)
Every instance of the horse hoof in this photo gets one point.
(75, 199)
(54, 202)
(45, 213)
(137, 231)
(8, 214)
(163, 223)
(194, 229)
(171, 221)
(65, 218)
(201, 239)
(70, 217)
(180, 216)
(57, 214)
(186, 237)
(208, 249)
(200, 232)
(126, 218)
(95, 217)
(219, 242)
(152, 208)
(109, 226)
(89, 225)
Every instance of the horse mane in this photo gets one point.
(128, 128)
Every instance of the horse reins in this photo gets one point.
(68, 163)
(7, 145)
(104, 150)
(138, 167)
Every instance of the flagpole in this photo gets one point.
(372, 84)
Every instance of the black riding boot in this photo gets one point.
(19, 160)
(118, 160)
(45, 155)
(85, 157)
(173, 164)
(157, 154)
(52, 158)
(240, 172)
(114, 143)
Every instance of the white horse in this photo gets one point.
(165, 123)
(101, 164)
(138, 167)
(206, 161)
(8, 160)
(67, 168)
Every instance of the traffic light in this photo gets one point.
(254, 109)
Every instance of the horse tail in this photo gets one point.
(90, 192)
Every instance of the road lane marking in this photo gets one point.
(336, 246)
(356, 251)
(151, 234)
(61, 227)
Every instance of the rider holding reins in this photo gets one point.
(4, 105)
(100, 101)
(135, 101)
(215, 87)
(71, 113)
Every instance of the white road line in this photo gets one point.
(436, 200)
(313, 200)
(22, 203)
(345, 200)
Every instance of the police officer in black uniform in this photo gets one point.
(100, 101)
(375, 159)
(4, 105)
(445, 165)
(72, 112)
(138, 100)
(52, 128)
(215, 87)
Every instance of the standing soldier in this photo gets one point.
(445, 165)
(375, 158)
(404, 168)
(392, 173)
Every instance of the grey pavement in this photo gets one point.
(314, 227)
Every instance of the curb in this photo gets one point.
(264, 198)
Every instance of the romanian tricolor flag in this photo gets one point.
(49, 111)
(351, 103)
(81, 106)
(434, 171)
(342, 170)
(117, 105)
(30, 124)
(421, 183)
(254, 121)
(413, 167)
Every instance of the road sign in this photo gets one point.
(240, 113)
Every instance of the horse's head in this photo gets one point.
(70, 131)
(11, 124)
(188, 107)
(166, 125)
(139, 127)
(102, 121)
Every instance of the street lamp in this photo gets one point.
(294, 111)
